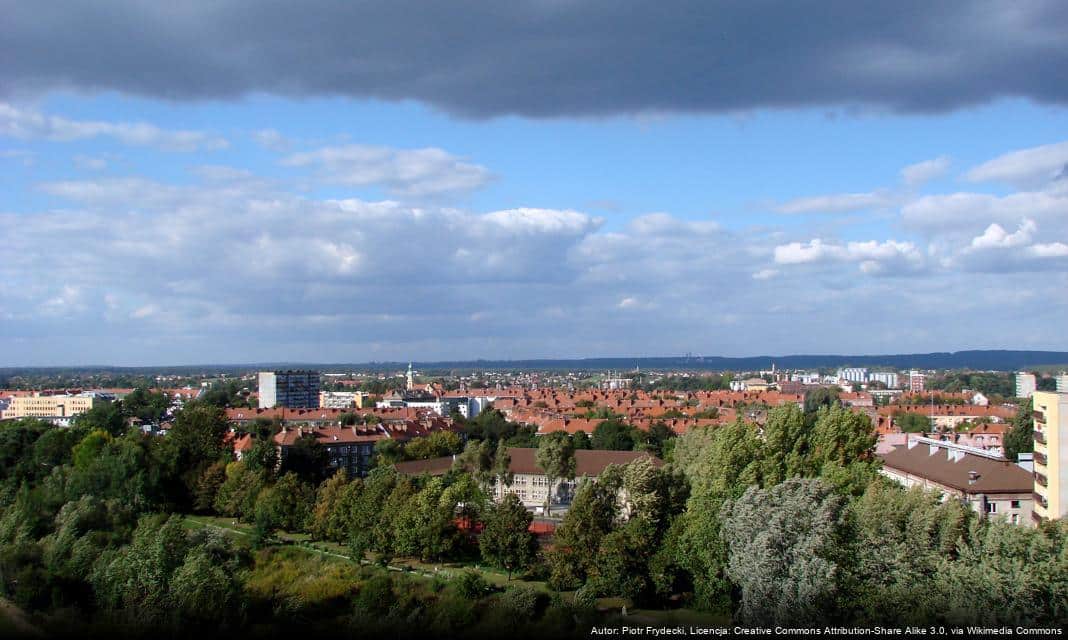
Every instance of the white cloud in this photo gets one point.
(272, 140)
(765, 274)
(966, 213)
(915, 175)
(1049, 250)
(23, 124)
(1025, 167)
(995, 236)
(837, 203)
(403, 172)
(872, 255)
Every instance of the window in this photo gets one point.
(1015, 518)
(991, 507)
(1015, 504)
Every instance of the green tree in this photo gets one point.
(556, 457)
(506, 542)
(1020, 437)
(613, 435)
(785, 551)
(910, 422)
(590, 518)
(208, 486)
(307, 458)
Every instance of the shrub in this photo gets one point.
(471, 585)
(521, 601)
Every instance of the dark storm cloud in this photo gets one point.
(550, 57)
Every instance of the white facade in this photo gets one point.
(853, 374)
(886, 377)
(917, 382)
(337, 399)
(1062, 383)
(1025, 385)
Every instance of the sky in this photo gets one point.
(237, 182)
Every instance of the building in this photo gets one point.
(853, 374)
(340, 399)
(1025, 385)
(1051, 454)
(348, 448)
(989, 484)
(917, 382)
(290, 389)
(1062, 383)
(888, 378)
(531, 485)
(59, 408)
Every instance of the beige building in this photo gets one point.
(63, 406)
(1051, 454)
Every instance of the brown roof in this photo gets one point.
(995, 476)
(588, 462)
(330, 435)
(433, 466)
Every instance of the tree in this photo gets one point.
(591, 516)
(287, 505)
(104, 416)
(842, 437)
(307, 458)
(436, 445)
(820, 398)
(85, 452)
(786, 444)
(556, 457)
(785, 551)
(208, 486)
(262, 457)
(1020, 438)
(613, 435)
(324, 522)
(910, 422)
(581, 440)
(506, 542)
(502, 464)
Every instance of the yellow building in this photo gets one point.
(1051, 454)
(63, 406)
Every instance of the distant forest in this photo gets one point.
(990, 360)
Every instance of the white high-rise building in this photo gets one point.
(1062, 383)
(886, 377)
(290, 389)
(853, 374)
(1025, 385)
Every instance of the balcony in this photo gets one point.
(1040, 458)
(1038, 416)
(1040, 500)
(1040, 437)
(1040, 479)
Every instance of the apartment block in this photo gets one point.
(1025, 385)
(1051, 454)
(290, 389)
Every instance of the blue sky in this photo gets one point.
(224, 212)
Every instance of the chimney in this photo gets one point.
(973, 476)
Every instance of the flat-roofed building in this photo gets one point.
(291, 389)
(1051, 454)
(54, 406)
(1025, 385)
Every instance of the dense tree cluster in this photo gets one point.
(787, 521)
